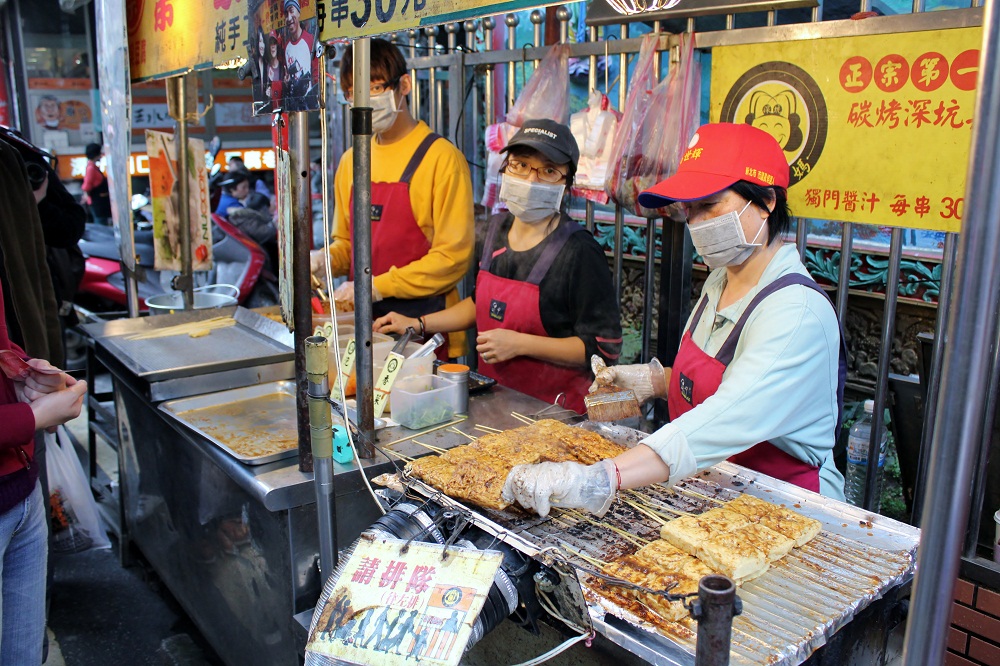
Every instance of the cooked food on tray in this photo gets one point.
(655, 566)
(194, 329)
(476, 472)
(737, 540)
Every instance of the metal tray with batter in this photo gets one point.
(255, 425)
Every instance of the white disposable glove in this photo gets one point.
(569, 485)
(316, 262)
(647, 380)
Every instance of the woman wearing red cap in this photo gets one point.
(544, 300)
(759, 375)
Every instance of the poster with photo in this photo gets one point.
(281, 55)
(61, 119)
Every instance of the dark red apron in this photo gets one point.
(696, 376)
(396, 237)
(513, 305)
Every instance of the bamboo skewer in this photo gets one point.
(399, 455)
(695, 493)
(424, 432)
(522, 418)
(592, 561)
(463, 434)
(652, 505)
(631, 538)
(486, 428)
(435, 449)
(647, 513)
(194, 329)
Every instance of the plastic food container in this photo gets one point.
(423, 400)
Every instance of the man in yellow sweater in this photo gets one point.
(422, 212)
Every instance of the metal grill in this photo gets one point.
(788, 612)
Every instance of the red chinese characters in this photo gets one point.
(163, 15)
(927, 72)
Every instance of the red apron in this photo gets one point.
(696, 376)
(513, 305)
(396, 237)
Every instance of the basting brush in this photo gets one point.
(612, 403)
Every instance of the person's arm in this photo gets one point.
(500, 344)
(453, 239)
(781, 384)
(458, 317)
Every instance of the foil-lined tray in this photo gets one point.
(255, 425)
(788, 612)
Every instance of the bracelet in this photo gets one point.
(618, 473)
(423, 330)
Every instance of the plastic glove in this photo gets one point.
(648, 380)
(316, 262)
(345, 293)
(569, 485)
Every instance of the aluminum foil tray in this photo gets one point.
(255, 425)
(788, 612)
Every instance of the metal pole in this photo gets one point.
(432, 96)
(537, 19)
(882, 383)
(298, 167)
(933, 382)
(317, 350)
(844, 279)
(562, 15)
(511, 20)
(414, 75)
(591, 85)
(186, 281)
(619, 211)
(488, 97)
(715, 609)
(801, 234)
(649, 274)
(958, 427)
(361, 127)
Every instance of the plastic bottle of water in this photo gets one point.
(857, 458)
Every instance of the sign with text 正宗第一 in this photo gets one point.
(876, 129)
(366, 18)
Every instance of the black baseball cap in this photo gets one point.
(553, 140)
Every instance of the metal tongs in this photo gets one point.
(428, 347)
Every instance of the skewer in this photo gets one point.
(649, 514)
(424, 432)
(486, 429)
(463, 434)
(435, 449)
(656, 505)
(399, 455)
(695, 493)
(592, 561)
(522, 418)
(631, 538)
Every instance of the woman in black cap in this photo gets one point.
(544, 298)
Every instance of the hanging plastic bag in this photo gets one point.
(656, 127)
(594, 129)
(546, 95)
(76, 525)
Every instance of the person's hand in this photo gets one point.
(569, 485)
(316, 262)
(42, 190)
(396, 323)
(646, 380)
(43, 379)
(499, 345)
(345, 293)
(53, 409)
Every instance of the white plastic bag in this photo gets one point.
(76, 525)
(595, 129)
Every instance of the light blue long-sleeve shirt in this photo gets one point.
(781, 385)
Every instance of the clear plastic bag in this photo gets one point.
(594, 129)
(658, 122)
(76, 525)
(546, 95)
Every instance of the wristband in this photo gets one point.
(423, 330)
(618, 474)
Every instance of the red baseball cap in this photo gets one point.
(718, 155)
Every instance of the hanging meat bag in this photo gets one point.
(658, 122)
(546, 95)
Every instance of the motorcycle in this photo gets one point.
(238, 261)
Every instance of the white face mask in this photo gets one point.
(720, 240)
(530, 202)
(383, 111)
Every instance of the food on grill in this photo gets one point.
(795, 526)
(476, 472)
(194, 329)
(689, 532)
(655, 566)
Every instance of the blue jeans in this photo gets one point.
(24, 546)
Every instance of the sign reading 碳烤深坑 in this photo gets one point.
(876, 129)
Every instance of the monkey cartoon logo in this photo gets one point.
(784, 101)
